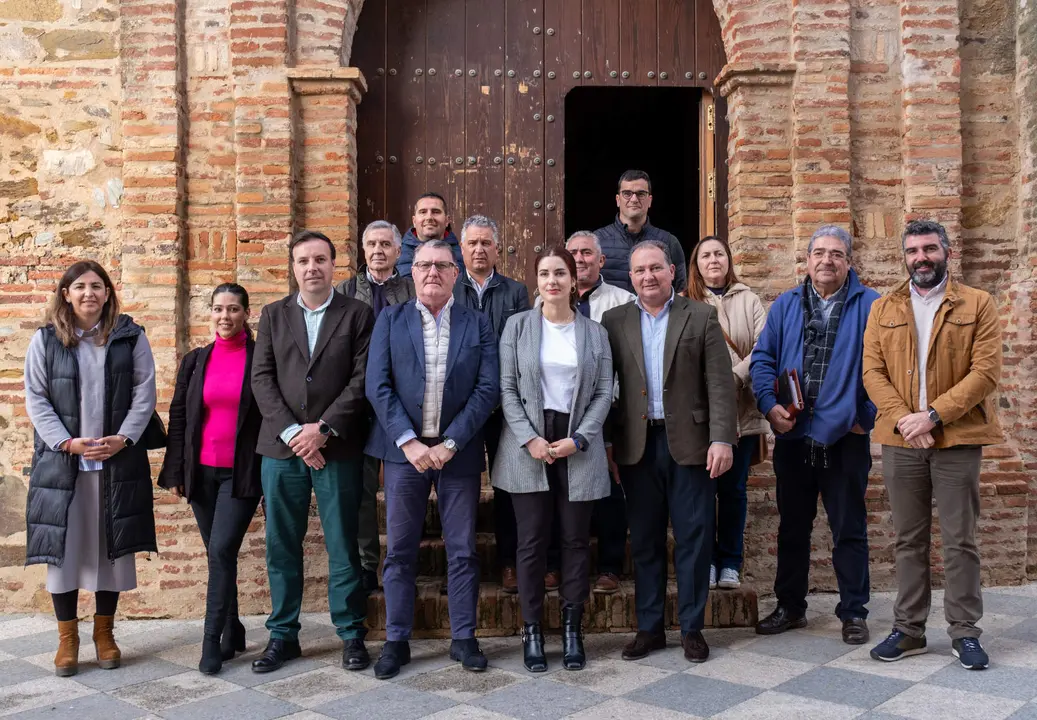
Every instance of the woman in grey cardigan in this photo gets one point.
(90, 393)
(556, 391)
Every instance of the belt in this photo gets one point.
(652, 422)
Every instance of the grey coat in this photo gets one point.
(522, 400)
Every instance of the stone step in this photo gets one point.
(432, 561)
(499, 612)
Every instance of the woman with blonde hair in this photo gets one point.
(712, 280)
(90, 394)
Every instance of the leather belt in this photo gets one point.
(656, 423)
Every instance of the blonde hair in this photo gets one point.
(61, 316)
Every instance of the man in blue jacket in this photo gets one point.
(818, 330)
(431, 222)
(433, 380)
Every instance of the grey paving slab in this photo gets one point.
(389, 702)
(844, 687)
(13, 616)
(926, 702)
(693, 694)
(38, 693)
(91, 707)
(318, 687)
(1026, 630)
(239, 670)
(1005, 604)
(13, 672)
(623, 709)
(550, 700)
(133, 671)
(241, 704)
(26, 645)
(1004, 681)
(160, 695)
(876, 715)
(1026, 712)
(773, 705)
(801, 646)
(456, 683)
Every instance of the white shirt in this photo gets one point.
(925, 308)
(435, 331)
(558, 363)
(314, 319)
(480, 289)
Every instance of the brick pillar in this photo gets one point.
(325, 101)
(821, 118)
(759, 106)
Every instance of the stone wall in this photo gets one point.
(181, 143)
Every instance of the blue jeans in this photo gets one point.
(731, 507)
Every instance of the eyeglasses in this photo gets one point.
(627, 194)
(836, 255)
(424, 266)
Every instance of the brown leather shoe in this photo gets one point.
(509, 581)
(108, 655)
(66, 661)
(642, 644)
(695, 648)
(606, 584)
(552, 580)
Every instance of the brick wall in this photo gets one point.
(181, 144)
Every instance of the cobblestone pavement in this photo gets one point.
(804, 674)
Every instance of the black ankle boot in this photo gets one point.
(212, 657)
(233, 640)
(533, 648)
(573, 656)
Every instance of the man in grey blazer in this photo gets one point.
(672, 434)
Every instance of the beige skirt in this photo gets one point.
(86, 565)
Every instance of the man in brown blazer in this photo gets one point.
(672, 434)
(308, 380)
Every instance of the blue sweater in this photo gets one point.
(842, 401)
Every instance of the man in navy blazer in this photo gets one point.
(433, 380)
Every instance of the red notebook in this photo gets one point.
(790, 394)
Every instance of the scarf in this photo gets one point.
(819, 340)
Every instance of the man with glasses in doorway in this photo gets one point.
(631, 226)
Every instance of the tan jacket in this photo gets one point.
(698, 385)
(742, 317)
(964, 366)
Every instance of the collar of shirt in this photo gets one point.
(321, 309)
(426, 312)
(935, 294)
(481, 288)
(587, 295)
(93, 331)
(371, 279)
(664, 311)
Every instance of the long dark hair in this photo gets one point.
(697, 289)
(559, 251)
(60, 314)
(233, 289)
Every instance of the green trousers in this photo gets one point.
(287, 485)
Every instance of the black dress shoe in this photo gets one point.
(644, 643)
(779, 621)
(467, 652)
(395, 654)
(695, 648)
(277, 653)
(533, 656)
(355, 655)
(855, 631)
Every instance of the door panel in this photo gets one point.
(503, 116)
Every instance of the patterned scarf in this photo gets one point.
(819, 337)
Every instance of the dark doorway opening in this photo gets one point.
(655, 129)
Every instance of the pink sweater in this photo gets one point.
(221, 396)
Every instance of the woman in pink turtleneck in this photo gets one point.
(211, 461)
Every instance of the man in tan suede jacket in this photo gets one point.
(932, 361)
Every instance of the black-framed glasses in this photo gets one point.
(627, 194)
(425, 266)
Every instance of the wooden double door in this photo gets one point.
(468, 98)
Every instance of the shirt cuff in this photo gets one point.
(57, 445)
(721, 442)
(405, 438)
(289, 432)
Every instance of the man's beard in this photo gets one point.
(928, 278)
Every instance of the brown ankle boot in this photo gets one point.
(108, 655)
(66, 662)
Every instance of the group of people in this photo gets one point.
(636, 392)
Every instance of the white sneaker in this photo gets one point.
(712, 577)
(729, 579)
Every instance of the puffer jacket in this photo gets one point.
(502, 298)
(742, 317)
(962, 370)
(411, 244)
(616, 243)
(129, 518)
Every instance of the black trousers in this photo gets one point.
(504, 528)
(659, 490)
(535, 515)
(801, 474)
(223, 521)
(609, 525)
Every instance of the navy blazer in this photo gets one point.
(396, 383)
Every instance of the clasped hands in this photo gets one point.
(307, 444)
(96, 448)
(422, 457)
(540, 449)
(917, 430)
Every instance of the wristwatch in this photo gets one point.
(934, 417)
(126, 441)
(323, 428)
(449, 444)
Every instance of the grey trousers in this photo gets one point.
(913, 478)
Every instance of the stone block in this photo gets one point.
(65, 45)
(68, 163)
